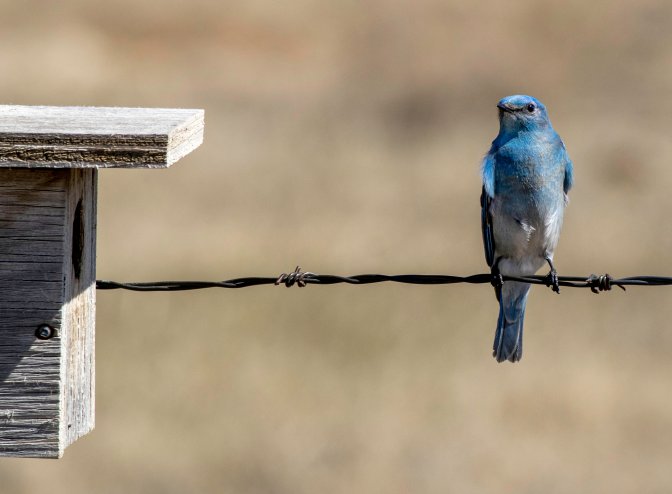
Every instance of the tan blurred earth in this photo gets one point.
(346, 137)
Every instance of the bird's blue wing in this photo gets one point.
(486, 228)
(569, 168)
(569, 175)
(488, 174)
(488, 192)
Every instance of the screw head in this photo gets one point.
(45, 332)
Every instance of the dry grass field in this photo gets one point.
(346, 137)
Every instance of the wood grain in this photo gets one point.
(46, 386)
(97, 137)
(78, 313)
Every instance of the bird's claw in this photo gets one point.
(497, 280)
(552, 281)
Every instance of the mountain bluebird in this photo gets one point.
(526, 176)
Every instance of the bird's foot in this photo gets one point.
(497, 280)
(552, 280)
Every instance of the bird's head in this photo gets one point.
(521, 112)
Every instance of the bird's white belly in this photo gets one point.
(524, 241)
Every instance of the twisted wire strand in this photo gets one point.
(596, 283)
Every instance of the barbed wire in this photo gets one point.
(596, 283)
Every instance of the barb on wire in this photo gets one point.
(596, 283)
(297, 276)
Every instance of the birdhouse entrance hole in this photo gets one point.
(77, 240)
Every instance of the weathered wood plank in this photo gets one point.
(46, 386)
(30, 368)
(78, 314)
(97, 137)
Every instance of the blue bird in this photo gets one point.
(526, 177)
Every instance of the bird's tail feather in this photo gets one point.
(509, 335)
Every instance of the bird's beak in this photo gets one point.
(505, 107)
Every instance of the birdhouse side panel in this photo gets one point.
(79, 309)
(32, 249)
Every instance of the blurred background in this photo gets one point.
(347, 137)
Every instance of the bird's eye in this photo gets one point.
(531, 107)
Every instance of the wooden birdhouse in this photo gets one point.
(49, 159)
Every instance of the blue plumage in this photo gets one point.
(526, 176)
